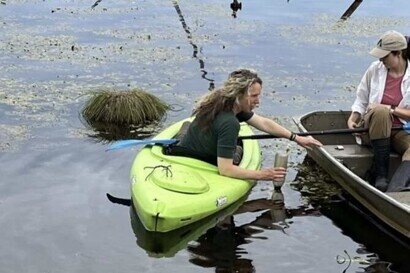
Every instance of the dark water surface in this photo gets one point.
(54, 215)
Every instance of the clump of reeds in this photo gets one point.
(131, 107)
(103, 132)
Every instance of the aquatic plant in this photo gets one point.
(314, 184)
(131, 107)
(116, 114)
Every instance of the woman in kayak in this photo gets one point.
(215, 129)
(383, 101)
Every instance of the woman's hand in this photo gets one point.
(353, 120)
(308, 142)
(354, 125)
(273, 174)
(351, 124)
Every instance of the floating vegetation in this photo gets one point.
(315, 185)
(10, 134)
(117, 115)
(326, 30)
(49, 65)
(53, 54)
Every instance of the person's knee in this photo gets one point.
(380, 113)
(379, 122)
(406, 155)
(401, 144)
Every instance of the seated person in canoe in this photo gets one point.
(383, 101)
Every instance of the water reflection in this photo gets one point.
(167, 244)
(383, 251)
(107, 132)
(392, 253)
(217, 240)
(220, 246)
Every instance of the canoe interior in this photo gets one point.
(350, 165)
(355, 157)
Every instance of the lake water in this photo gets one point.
(54, 213)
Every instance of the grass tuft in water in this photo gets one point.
(131, 107)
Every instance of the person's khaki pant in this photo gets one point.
(379, 121)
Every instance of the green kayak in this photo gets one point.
(167, 244)
(169, 192)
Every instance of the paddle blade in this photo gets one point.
(134, 142)
(406, 127)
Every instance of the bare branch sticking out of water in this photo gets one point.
(235, 6)
(95, 4)
(194, 46)
(351, 9)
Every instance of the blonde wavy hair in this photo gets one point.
(223, 99)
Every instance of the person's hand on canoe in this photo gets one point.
(352, 125)
(308, 142)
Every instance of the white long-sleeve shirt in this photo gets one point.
(371, 88)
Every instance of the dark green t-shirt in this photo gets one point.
(219, 140)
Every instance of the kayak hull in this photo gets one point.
(170, 192)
